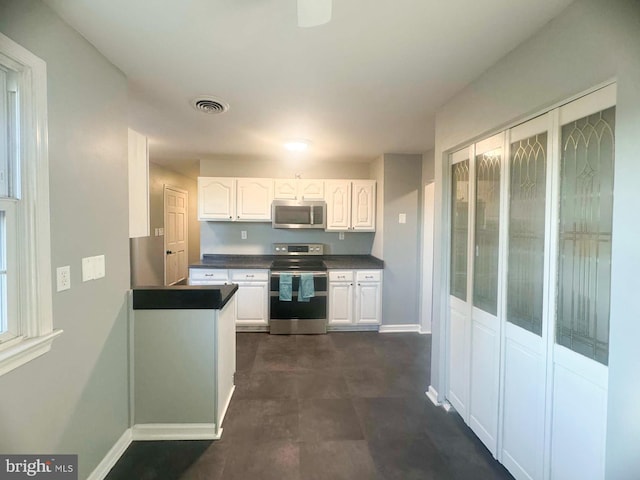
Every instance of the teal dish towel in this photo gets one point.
(306, 289)
(286, 287)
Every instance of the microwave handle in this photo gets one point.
(311, 215)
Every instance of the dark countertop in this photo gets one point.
(264, 261)
(353, 262)
(183, 297)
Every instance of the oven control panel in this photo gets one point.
(298, 248)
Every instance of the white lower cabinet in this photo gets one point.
(355, 298)
(252, 305)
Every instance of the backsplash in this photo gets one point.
(224, 237)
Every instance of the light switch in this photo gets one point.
(87, 269)
(160, 232)
(243, 234)
(98, 266)
(402, 218)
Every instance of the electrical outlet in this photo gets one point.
(63, 278)
(341, 236)
(87, 269)
(402, 218)
(98, 266)
(243, 234)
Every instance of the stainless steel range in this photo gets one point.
(296, 315)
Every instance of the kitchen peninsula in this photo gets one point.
(182, 346)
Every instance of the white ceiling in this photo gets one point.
(367, 83)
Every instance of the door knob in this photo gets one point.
(169, 252)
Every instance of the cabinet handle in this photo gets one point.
(230, 217)
(250, 276)
(169, 252)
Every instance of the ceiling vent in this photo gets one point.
(210, 105)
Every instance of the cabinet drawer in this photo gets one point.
(249, 275)
(341, 276)
(209, 274)
(368, 275)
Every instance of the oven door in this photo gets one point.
(287, 317)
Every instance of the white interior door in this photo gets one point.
(581, 349)
(485, 326)
(459, 331)
(526, 301)
(175, 235)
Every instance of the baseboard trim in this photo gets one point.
(226, 405)
(353, 328)
(409, 328)
(112, 456)
(247, 328)
(176, 431)
(432, 395)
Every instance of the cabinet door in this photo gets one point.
(338, 197)
(368, 303)
(285, 189)
(254, 199)
(252, 304)
(363, 205)
(311, 189)
(216, 198)
(341, 303)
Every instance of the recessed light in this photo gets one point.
(298, 145)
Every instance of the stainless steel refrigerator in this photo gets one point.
(147, 261)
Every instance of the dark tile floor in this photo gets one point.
(325, 407)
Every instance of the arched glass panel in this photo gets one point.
(459, 228)
(485, 277)
(527, 191)
(584, 263)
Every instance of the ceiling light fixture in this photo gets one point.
(297, 145)
(312, 13)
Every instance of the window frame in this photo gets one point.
(31, 330)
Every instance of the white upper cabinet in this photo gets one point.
(254, 199)
(296, 189)
(138, 185)
(338, 198)
(363, 205)
(351, 205)
(216, 198)
(311, 189)
(285, 189)
(235, 199)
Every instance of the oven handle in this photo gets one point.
(295, 294)
(297, 274)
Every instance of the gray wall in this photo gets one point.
(590, 43)
(159, 177)
(377, 174)
(224, 237)
(74, 398)
(402, 193)
(285, 167)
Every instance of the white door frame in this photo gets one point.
(428, 214)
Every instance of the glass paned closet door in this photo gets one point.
(526, 324)
(485, 323)
(459, 306)
(584, 208)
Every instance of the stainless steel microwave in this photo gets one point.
(293, 214)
